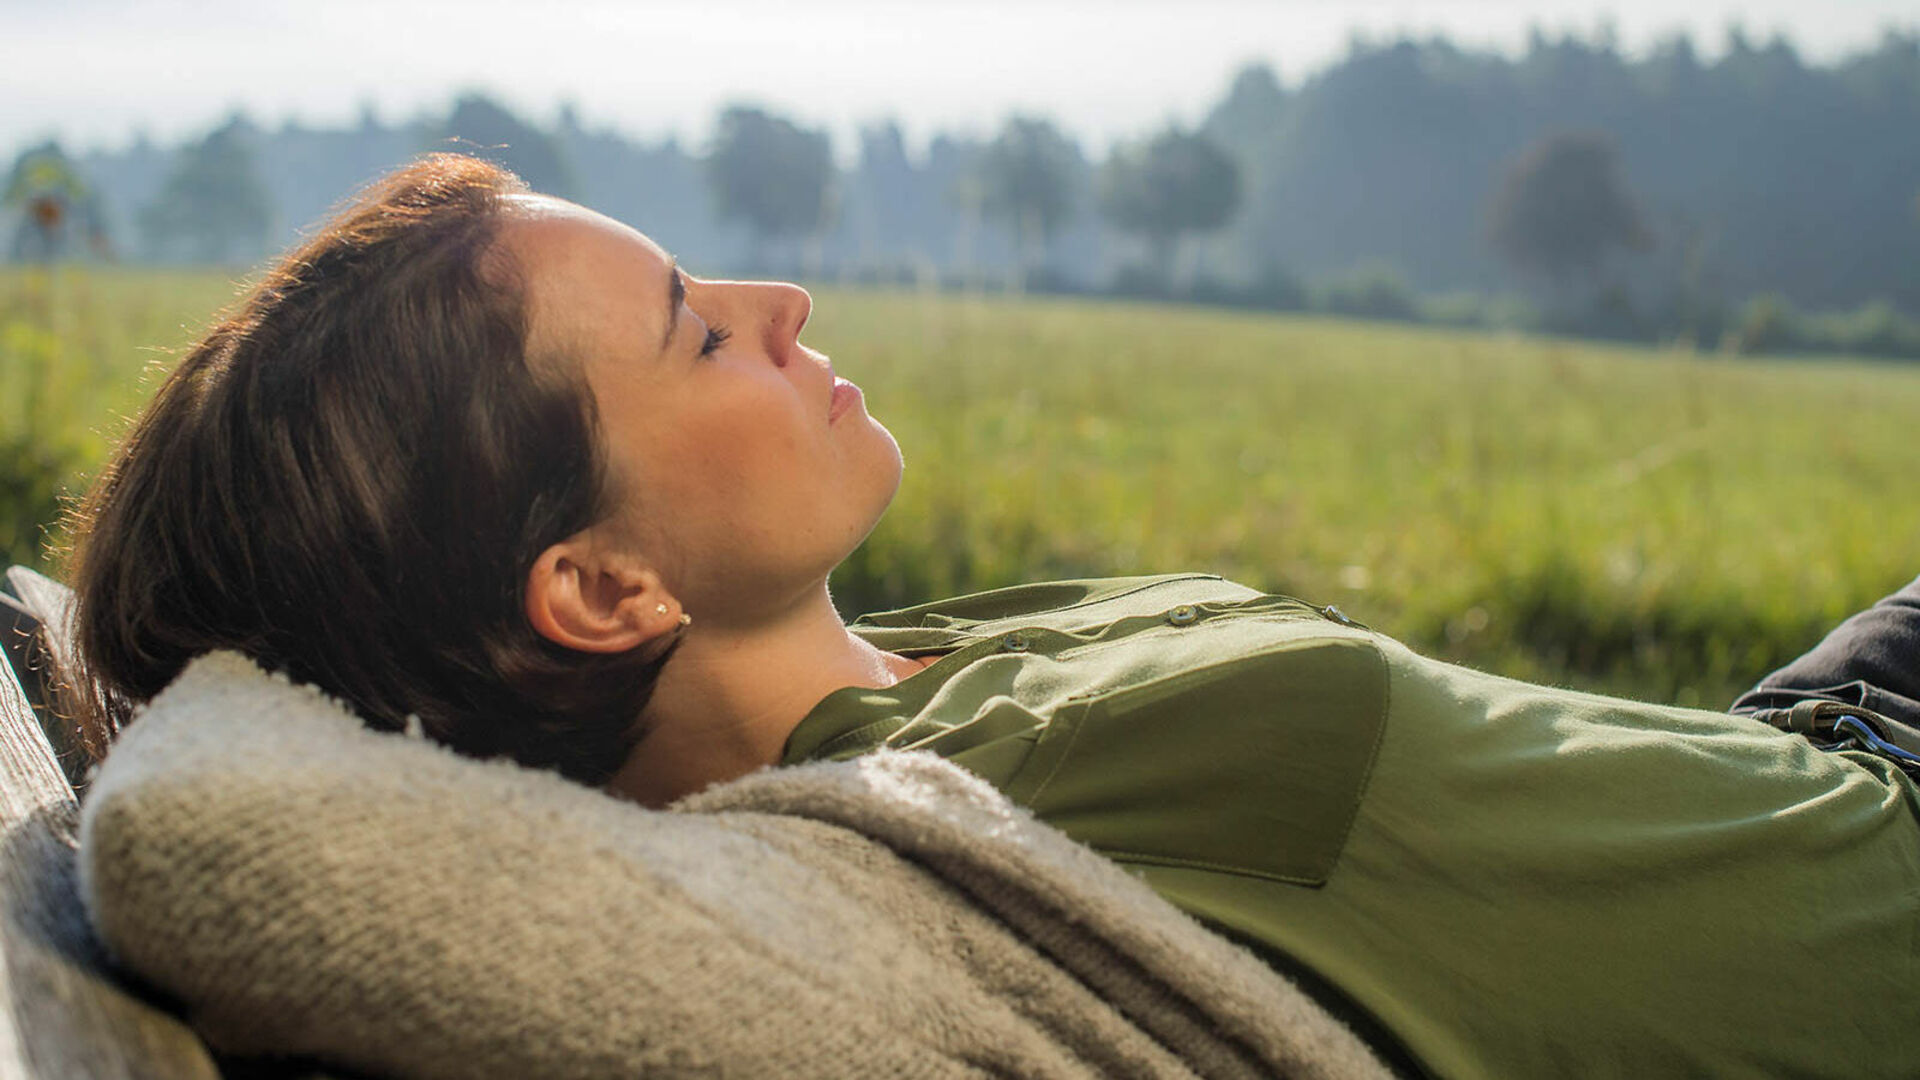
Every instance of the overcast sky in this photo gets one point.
(96, 71)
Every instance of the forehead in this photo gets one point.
(590, 280)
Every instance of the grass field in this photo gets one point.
(1658, 524)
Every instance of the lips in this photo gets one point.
(845, 396)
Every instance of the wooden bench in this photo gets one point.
(64, 1012)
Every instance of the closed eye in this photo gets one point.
(716, 337)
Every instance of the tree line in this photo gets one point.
(1753, 200)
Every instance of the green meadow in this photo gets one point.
(1665, 524)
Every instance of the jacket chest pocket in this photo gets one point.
(1254, 765)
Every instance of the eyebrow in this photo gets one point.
(676, 294)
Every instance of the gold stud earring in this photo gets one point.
(686, 620)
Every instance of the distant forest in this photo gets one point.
(1754, 201)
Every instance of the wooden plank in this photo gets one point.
(33, 665)
(62, 1012)
(20, 637)
(50, 602)
(36, 617)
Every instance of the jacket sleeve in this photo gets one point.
(1872, 661)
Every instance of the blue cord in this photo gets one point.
(1852, 726)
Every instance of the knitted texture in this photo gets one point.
(307, 886)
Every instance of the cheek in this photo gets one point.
(764, 457)
(734, 471)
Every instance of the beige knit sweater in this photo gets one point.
(307, 886)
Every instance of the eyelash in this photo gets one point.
(716, 337)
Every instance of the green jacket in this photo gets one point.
(1512, 880)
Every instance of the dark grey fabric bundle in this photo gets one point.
(307, 886)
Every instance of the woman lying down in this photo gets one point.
(486, 458)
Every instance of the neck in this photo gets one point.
(731, 695)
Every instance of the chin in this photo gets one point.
(885, 482)
(892, 453)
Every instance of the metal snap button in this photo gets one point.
(1183, 615)
(1016, 643)
(1334, 613)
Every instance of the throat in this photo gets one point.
(726, 704)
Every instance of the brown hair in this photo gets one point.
(349, 478)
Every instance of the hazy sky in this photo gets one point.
(95, 71)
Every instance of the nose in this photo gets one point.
(784, 309)
(773, 311)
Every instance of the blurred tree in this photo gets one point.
(1372, 290)
(772, 175)
(1252, 109)
(54, 203)
(214, 206)
(1177, 183)
(1759, 170)
(1767, 325)
(484, 128)
(655, 187)
(953, 172)
(891, 215)
(1562, 207)
(1890, 74)
(1026, 183)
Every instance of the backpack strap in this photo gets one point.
(1835, 725)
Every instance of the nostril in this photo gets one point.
(792, 306)
(806, 309)
(780, 344)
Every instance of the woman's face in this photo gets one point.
(743, 471)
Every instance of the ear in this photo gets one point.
(586, 596)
